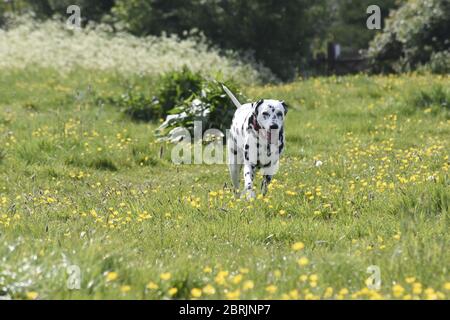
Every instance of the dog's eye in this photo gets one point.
(265, 114)
(279, 114)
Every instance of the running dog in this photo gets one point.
(256, 141)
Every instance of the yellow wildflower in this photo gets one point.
(196, 292)
(111, 276)
(298, 246)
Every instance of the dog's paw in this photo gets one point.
(250, 194)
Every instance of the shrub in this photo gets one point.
(182, 97)
(210, 106)
(413, 33)
(172, 89)
(439, 63)
(138, 106)
(436, 96)
(175, 87)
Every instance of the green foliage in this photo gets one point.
(136, 105)
(348, 26)
(436, 96)
(209, 105)
(139, 107)
(90, 10)
(177, 92)
(413, 33)
(175, 87)
(172, 89)
(277, 34)
(439, 63)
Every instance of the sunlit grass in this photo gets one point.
(364, 181)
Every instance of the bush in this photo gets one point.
(436, 96)
(209, 105)
(182, 97)
(439, 63)
(175, 87)
(137, 105)
(413, 33)
(172, 89)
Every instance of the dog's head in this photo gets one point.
(270, 114)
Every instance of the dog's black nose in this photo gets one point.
(274, 126)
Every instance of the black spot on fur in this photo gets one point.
(281, 147)
(258, 103)
(266, 165)
(285, 106)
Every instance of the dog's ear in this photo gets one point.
(257, 104)
(285, 106)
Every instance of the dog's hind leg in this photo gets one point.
(265, 184)
(235, 172)
(235, 165)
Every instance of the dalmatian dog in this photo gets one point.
(256, 141)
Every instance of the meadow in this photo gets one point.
(87, 193)
(81, 184)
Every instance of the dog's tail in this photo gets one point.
(232, 97)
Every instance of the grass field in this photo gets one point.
(80, 184)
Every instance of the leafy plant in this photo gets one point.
(436, 96)
(413, 33)
(175, 87)
(439, 63)
(209, 105)
(136, 105)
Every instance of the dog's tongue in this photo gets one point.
(267, 135)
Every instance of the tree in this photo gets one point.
(91, 10)
(349, 22)
(276, 33)
(414, 34)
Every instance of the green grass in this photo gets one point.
(80, 184)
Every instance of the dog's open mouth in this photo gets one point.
(268, 135)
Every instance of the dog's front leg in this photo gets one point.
(249, 176)
(265, 184)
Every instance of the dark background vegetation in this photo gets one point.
(285, 36)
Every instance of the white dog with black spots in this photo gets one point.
(256, 141)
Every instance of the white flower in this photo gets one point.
(318, 163)
(51, 45)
